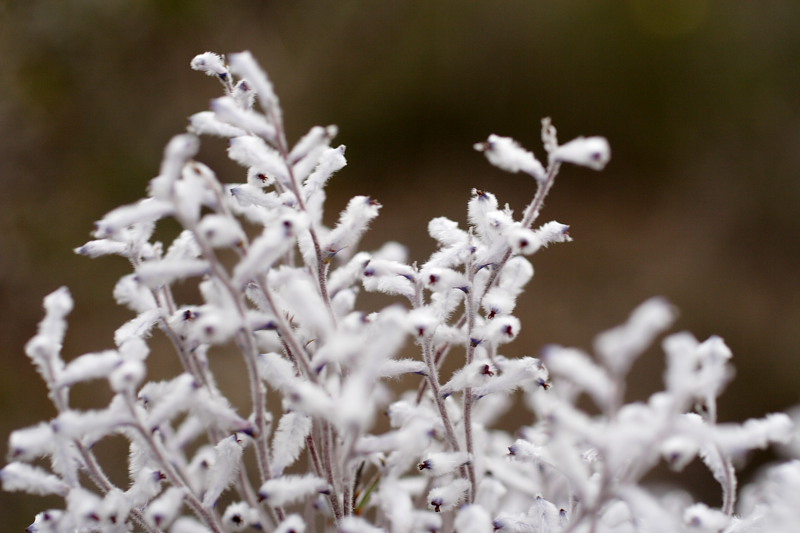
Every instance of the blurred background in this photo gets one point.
(700, 101)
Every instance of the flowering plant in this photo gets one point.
(307, 453)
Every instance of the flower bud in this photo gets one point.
(592, 152)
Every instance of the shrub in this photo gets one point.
(282, 288)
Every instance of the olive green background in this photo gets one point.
(700, 101)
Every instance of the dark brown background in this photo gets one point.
(700, 101)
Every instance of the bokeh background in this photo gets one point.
(700, 100)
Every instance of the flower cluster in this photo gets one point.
(309, 454)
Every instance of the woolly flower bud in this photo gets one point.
(239, 516)
(85, 506)
(89, 366)
(395, 367)
(448, 496)
(513, 374)
(422, 322)
(545, 513)
(315, 138)
(178, 151)
(292, 524)
(619, 346)
(553, 232)
(574, 365)
(517, 272)
(46, 345)
(216, 409)
(735, 440)
(446, 231)
(498, 302)
(101, 247)
(31, 479)
(328, 162)
(356, 524)
(250, 151)
(244, 64)
(269, 247)
(472, 375)
(523, 241)
(292, 488)
(80, 424)
(115, 507)
(289, 440)
(491, 492)
(132, 294)
(501, 330)
(353, 222)
(510, 523)
(29, 443)
(678, 451)
(185, 524)
(144, 211)
(701, 518)
(389, 277)
(506, 154)
(473, 519)
(276, 370)
(210, 63)
(156, 273)
(168, 399)
(51, 521)
(228, 111)
(146, 486)
(207, 123)
(592, 152)
(227, 457)
(437, 464)
(316, 163)
(438, 279)
(162, 511)
(221, 231)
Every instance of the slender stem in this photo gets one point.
(471, 312)
(433, 381)
(325, 436)
(314, 456)
(257, 394)
(432, 376)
